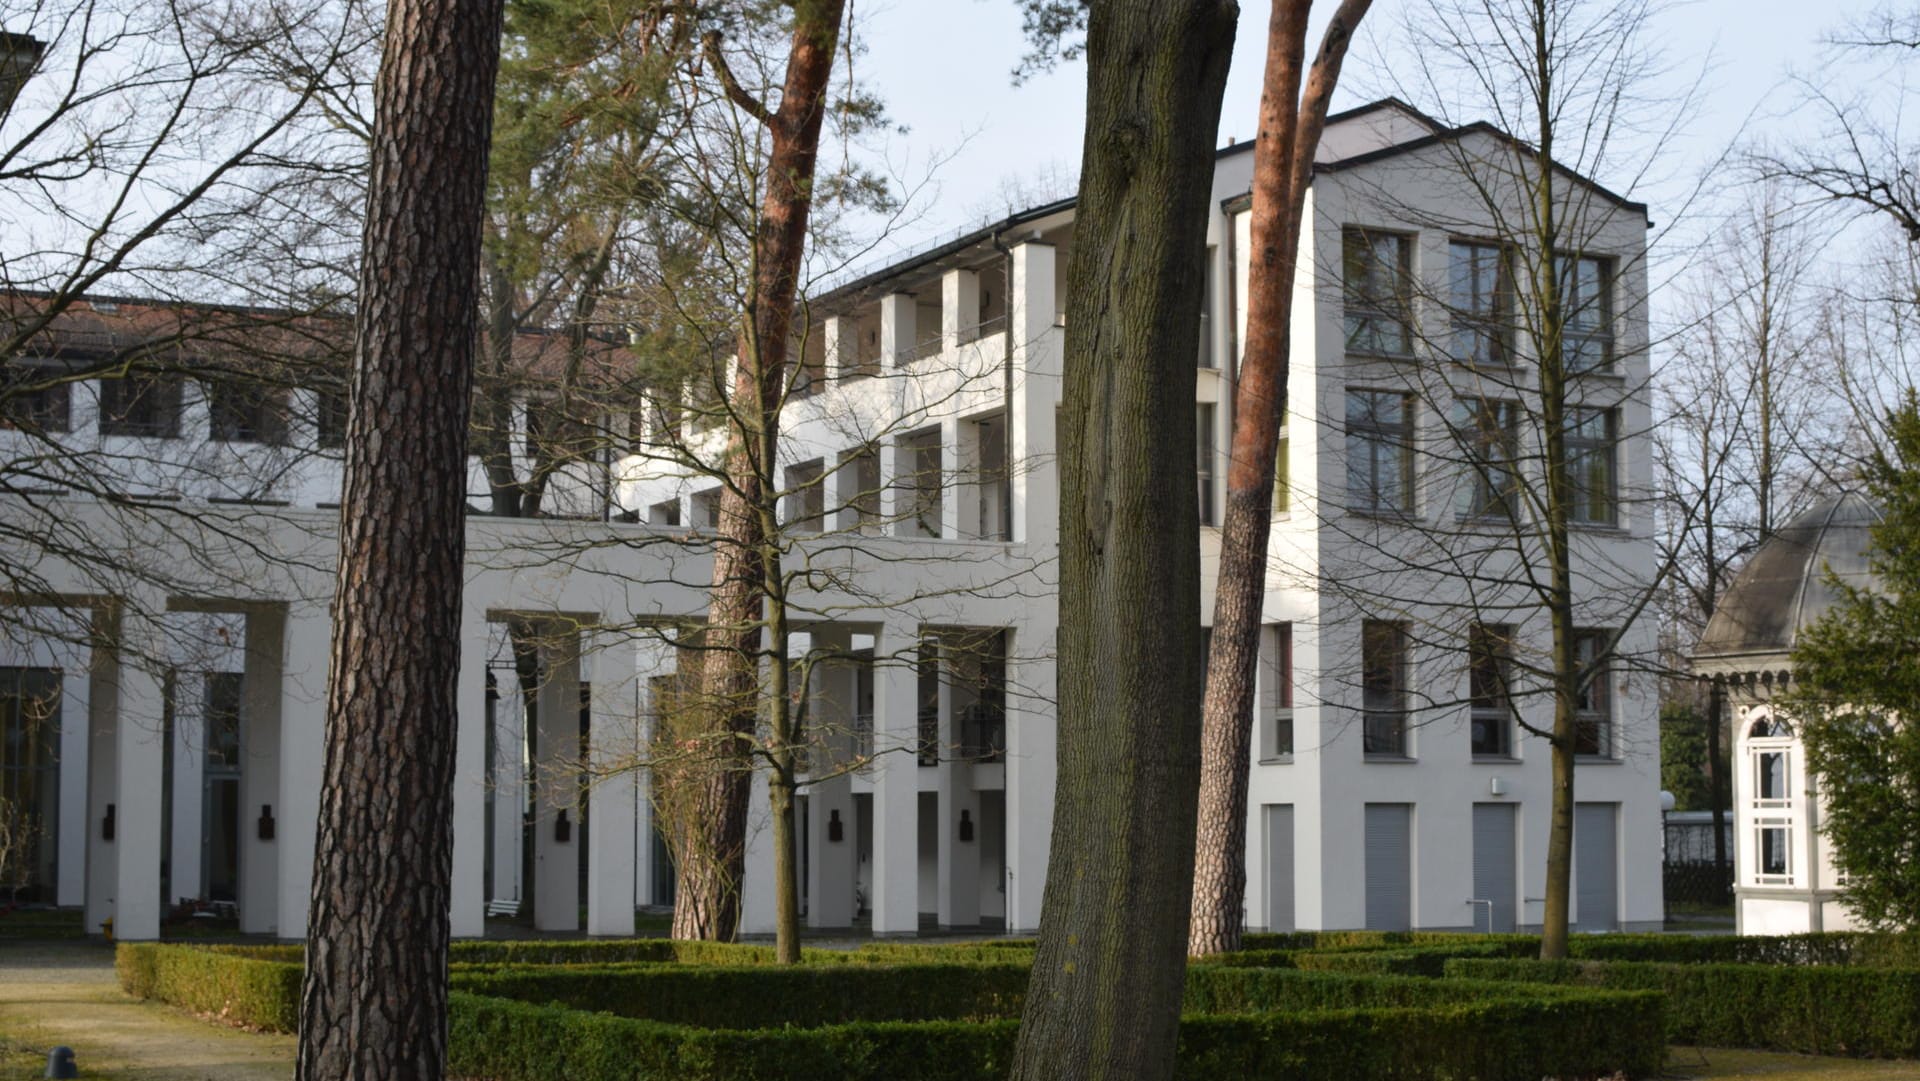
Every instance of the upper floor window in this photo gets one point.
(1283, 474)
(1489, 670)
(330, 420)
(807, 496)
(36, 398)
(1586, 311)
(1205, 453)
(1487, 434)
(1379, 451)
(922, 485)
(1206, 309)
(1383, 688)
(1276, 690)
(1593, 702)
(858, 479)
(1481, 303)
(1376, 269)
(140, 405)
(243, 412)
(1592, 436)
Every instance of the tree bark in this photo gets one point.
(373, 1001)
(711, 862)
(1104, 998)
(1282, 168)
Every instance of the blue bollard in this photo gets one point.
(60, 1063)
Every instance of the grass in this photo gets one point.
(1723, 1064)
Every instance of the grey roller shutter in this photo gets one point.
(1493, 866)
(1279, 831)
(1389, 866)
(1596, 860)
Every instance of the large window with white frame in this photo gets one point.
(1586, 308)
(1379, 451)
(1593, 727)
(1592, 448)
(1487, 436)
(1383, 689)
(1489, 694)
(1769, 763)
(1480, 294)
(1376, 268)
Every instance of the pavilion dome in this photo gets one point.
(1784, 588)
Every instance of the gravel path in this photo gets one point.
(65, 993)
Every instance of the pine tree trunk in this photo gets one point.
(1104, 999)
(712, 859)
(1282, 166)
(374, 998)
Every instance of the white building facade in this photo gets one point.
(180, 726)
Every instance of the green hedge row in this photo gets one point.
(1498, 1040)
(222, 983)
(1813, 1009)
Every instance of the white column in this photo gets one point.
(959, 307)
(613, 746)
(75, 693)
(189, 784)
(896, 329)
(102, 852)
(1035, 393)
(509, 786)
(467, 910)
(958, 860)
(556, 863)
(305, 641)
(896, 783)
(757, 893)
(953, 491)
(259, 771)
(830, 861)
(139, 770)
(1030, 769)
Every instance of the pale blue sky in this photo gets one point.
(942, 66)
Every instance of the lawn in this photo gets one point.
(1721, 1064)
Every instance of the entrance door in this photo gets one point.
(1596, 861)
(1493, 867)
(30, 780)
(220, 804)
(1278, 818)
(1389, 832)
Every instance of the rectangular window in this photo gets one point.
(1586, 310)
(1283, 475)
(30, 779)
(36, 398)
(1379, 451)
(240, 412)
(1770, 777)
(666, 513)
(140, 405)
(706, 509)
(807, 497)
(1592, 436)
(1481, 303)
(1383, 688)
(858, 485)
(927, 682)
(1376, 272)
(330, 422)
(1203, 444)
(1773, 841)
(1276, 690)
(1206, 309)
(922, 486)
(1593, 705)
(1487, 434)
(1489, 670)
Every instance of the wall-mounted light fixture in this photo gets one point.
(966, 827)
(562, 829)
(1497, 787)
(264, 828)
(835, 831)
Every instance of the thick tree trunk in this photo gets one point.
(1104, 1000)
(373, 1001)
(712, 862)
(1282, 167)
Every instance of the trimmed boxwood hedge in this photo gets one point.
(1499, 1040)
(224, 983)
(1813, 1009)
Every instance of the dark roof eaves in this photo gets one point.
(960, 243)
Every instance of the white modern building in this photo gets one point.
(1785, 881)
(169, 743)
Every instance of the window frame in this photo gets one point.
(46, 406)
(1574, 303)
(1490, 644)
(1206, 455)
(1385, 725)
(1492, 324)
(119, 419)
(1489, 449)
(1361, 309)
(1378, 436)
(247, 414)
(1594, 710)
(1577, 449)
(1276, 692)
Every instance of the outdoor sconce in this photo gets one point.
(265, 825)
(835, 831)
(106, 825)
(1497, 786)
(966, 827)
(562, 829)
